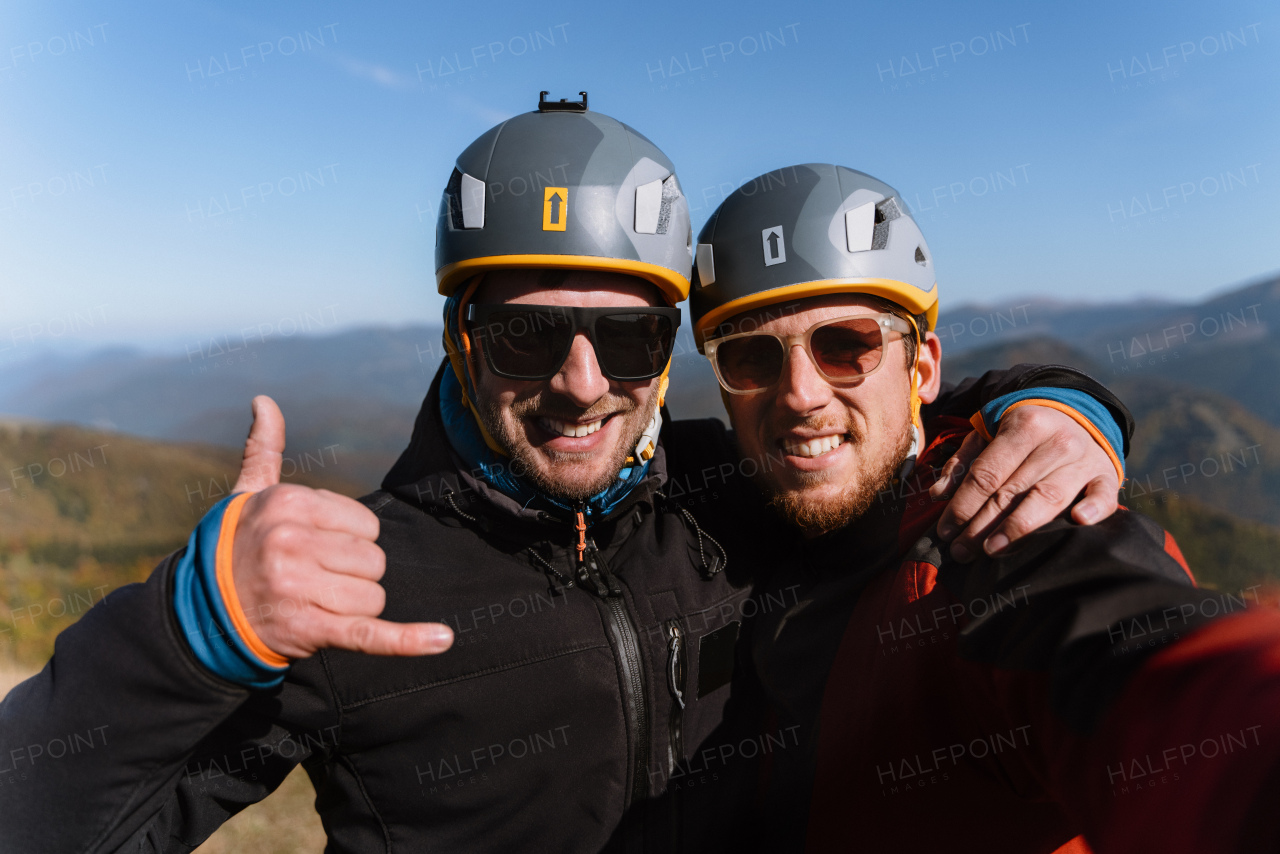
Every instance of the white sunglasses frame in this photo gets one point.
(886, 321)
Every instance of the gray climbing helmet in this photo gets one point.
(807, 231)
(566, 188)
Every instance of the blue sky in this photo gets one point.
(170, 170)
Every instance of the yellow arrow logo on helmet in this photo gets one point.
(555, 208)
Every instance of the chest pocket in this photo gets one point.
(715, 657)
(701, 650)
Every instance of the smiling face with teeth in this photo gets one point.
(571, 434)
(839, 443)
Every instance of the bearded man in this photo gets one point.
(1073, 691)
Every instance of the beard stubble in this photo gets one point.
(819, 517)
(532, 464)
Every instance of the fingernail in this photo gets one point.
(961, 553)
(947, 530)
(1087, 513)
(995, 544)
(439, 636)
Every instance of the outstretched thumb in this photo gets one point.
(264, 449)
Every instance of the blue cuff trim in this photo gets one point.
(1082, 402)
(203, 616)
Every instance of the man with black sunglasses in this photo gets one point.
(1072, 691)
(590, 620)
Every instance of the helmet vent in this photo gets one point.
(465, 196)
(453, 197)
(886, 212)
(920, 259)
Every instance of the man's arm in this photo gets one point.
(90, 746)
(973, 393)
(1045, 434)
(1156, 703)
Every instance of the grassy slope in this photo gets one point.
(83, 512)
(1223, 551)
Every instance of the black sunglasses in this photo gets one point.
(531, 342)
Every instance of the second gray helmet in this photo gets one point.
(565, 188)
(806, 231)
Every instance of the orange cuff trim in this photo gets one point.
(227, 587)
(980, 425)
(1079, 419)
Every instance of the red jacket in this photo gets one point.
(1080, 684)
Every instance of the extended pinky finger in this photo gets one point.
(381, 637)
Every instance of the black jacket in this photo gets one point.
(570, 695)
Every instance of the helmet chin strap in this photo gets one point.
(917, 427)
(647, 445)
(459, 353)
(916, 403)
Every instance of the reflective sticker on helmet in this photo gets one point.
(860, 227)
(555, 208)
(775, 247)
(670, 192)
(472, 198)
(648, 207)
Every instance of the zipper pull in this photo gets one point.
(588, 573)
(589, 579)
(600, 569)
(675, 663)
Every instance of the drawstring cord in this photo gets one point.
(448, 496)
(708, 571)
(564, 582)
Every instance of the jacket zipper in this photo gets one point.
(593, 574)
(675, 680)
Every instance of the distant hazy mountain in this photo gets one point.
(159, 396)
(362, 389)
(1226, 344)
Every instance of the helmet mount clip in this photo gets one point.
(563, 105)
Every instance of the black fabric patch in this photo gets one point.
(715, 658)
